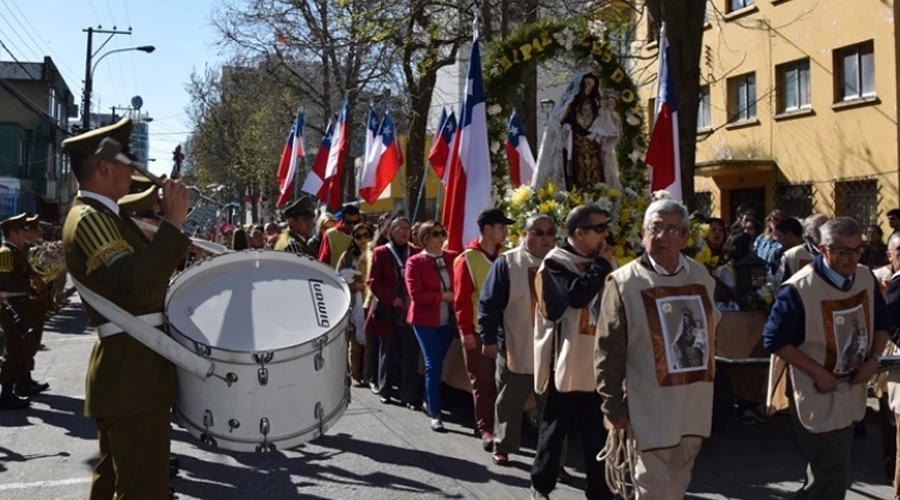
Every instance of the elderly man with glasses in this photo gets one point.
(654, 354)
(567, 287)
(828, 326)
(506, 316)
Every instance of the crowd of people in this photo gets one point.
(608, 353)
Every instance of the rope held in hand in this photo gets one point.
(619, 457)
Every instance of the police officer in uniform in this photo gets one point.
(42, 304)
(129, 389)
(17, 282)
(300, 220)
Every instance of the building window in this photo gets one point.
(857, 199)
(795, 200)
(704, 114)
(704, 202)
(734, 5)
(651, 33)
(742, 97)
(793, 86)
(854, 72)
(651, 113)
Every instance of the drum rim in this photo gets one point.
(335, 414)
(191, 344)
(327, 271)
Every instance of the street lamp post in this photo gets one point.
(89, 69)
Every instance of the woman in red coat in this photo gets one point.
(429, 283)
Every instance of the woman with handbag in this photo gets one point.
(430, 286)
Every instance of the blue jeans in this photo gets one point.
(435, 342)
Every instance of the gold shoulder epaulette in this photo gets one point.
(99, 238)
(6, 259)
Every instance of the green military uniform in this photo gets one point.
(129, 388)
(16, 286)
(290, 241)
(42, 304)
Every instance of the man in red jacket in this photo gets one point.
(470, 271)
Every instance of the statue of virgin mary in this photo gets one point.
(579, 141)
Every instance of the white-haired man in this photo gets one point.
(829, 326)
(654, 359)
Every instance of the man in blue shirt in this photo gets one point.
(829, 325)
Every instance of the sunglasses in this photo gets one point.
(847, 252)
(540, 233)
(439, 233)
(600, 228)
(362, 236)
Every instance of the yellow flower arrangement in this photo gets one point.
(625, 208)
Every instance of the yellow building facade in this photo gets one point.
(799, 107)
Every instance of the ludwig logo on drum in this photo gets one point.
(318, 295)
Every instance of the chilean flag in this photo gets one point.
(334, 168)
(439, 157)
(371, 135)
(315, 181)
(663, 153)
(469, 173)
(518, 153)
(385, 162)
(287, 169)
(440, 148)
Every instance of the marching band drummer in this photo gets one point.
(129, 388)
(42, 304)
(294, 239)
(17, 281)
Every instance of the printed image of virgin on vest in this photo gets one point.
(685, 333)
(851, 339)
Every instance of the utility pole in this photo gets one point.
(88, 80)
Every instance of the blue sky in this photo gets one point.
(180, 31)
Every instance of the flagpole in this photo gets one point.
(437, 204)
(421, 191)
(297, 179)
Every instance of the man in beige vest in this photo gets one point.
(567, 286)
(654, 354)
(506, 316)
(892, 298)
(829, 326)
(795, 258)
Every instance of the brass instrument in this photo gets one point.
(204, 213)
(47, 260)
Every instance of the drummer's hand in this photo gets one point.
(397, 303)
(825, 381)
(469, 342)
(866, 371)
(447, 296)
(489, 350)
(175, 202)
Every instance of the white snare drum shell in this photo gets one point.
(275, 326)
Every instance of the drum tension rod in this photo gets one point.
(262, 374)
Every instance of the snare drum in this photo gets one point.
(275, 325)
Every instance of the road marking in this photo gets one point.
(44, 484)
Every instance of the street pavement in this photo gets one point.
(375, 451)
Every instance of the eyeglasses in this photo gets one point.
(439, 233)
(670, 231)
(600, 228)
(540, 233)
(362, 236)
(847, 252)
